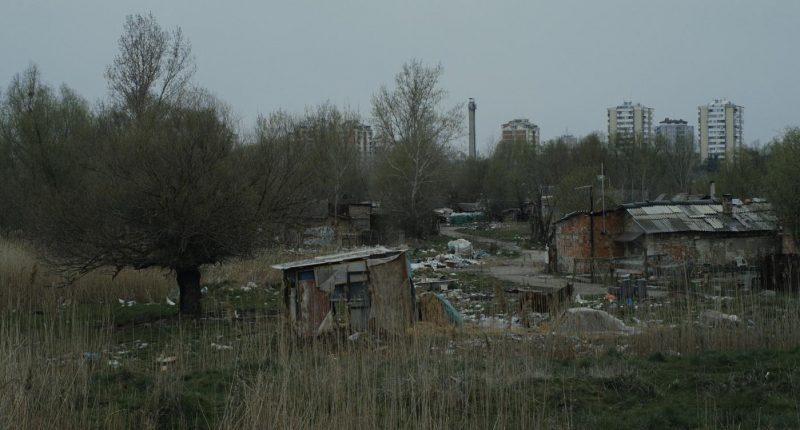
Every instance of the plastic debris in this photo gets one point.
(588, 320)
(460, 247)
(220, 347)
(174, 296)
(91, 356)
(715, 317)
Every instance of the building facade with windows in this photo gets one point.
(676, 130)
(520, 130)
(361, 137)
(719, 129)
(630, 121)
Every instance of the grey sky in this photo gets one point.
(561, 64)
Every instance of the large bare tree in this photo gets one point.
(414, 131)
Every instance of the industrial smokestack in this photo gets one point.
(472, 106)
(712, 190)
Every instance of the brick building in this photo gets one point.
(709, 231)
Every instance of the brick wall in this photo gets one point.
(712, 248)
(572, 238)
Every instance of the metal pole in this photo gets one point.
(591, 233)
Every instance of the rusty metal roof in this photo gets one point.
(668, 217)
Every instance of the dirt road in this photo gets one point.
(525, 270)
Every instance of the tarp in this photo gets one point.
(436, 309)
(458, 218)
(390, 290)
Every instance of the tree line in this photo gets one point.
(548, 181)
(160, 175)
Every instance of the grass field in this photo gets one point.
(75, 357)
(518, 233)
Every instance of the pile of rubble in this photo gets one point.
(460, 254)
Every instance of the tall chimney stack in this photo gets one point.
(472, 106)
(712, 189)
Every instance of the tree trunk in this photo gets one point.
(189, 285)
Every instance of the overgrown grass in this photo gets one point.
(92, 362)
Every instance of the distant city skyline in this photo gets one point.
(555, 63)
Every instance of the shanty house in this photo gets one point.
(707, 231)
(359, 290)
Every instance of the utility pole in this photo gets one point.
(591, 230)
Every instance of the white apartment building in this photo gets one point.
(362, 137)
(630, 121)
(719, 129)
(520, 130)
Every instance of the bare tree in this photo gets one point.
(153, 66)
(415, 132)
(338, 169)
(680, 160)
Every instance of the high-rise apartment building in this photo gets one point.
(520, 130)
(675, 130)
(568, 139)
(362, 137)
(630, 121)
(719, 129)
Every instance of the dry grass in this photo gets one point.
(63, 366)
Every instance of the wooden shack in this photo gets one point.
(366, 289)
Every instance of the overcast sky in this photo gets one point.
(558, 63)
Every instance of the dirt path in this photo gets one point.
(525, 270)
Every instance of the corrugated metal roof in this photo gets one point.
(359, 254)
(666, 217)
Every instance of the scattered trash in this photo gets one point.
(443, 261)
(354, 337)
(250, 285)
(588, 320)
(460, 247)
(174, 296)
(433, 284)
(498, 322)
(128, 303)
(166, 360)
(460, 218)
(709, 316)
(220, 347)
(91, 356)
(318, 236)
(204, 290)
(114, 363)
